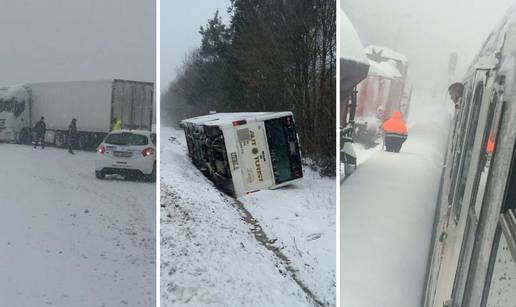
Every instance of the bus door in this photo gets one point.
(456, 240)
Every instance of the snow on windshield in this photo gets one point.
(17, 92)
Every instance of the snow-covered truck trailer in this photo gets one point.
(93, 103)
(383, 91)
(245, 152)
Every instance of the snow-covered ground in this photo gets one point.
(69, 239)
(387, 211)
(210, 255)
(502, 290)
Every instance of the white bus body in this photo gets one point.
(245, 152)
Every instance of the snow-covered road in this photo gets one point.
(69, 239)
(209, 254)
(387, 211)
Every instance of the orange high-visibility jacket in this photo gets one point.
(395, 124)
(490, 144)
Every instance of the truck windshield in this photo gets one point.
(6, 105)
(284, 149)
(127, 139)
(12, 106)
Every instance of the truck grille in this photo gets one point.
(2, 123)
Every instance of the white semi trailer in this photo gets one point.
(245, 152)
(93, 103)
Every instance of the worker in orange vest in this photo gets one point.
(490, 144)
(395, 132)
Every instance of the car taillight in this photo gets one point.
(147, 152)
(239, 122)
(101, 149)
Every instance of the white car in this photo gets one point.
(127, 152)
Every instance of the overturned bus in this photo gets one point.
(245, 152)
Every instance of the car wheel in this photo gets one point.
(152, 176)
(100, 174)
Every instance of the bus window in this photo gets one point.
(467, 148)
(488, 144)
(284, 149)
(479, 185)
(501, 288)
(458, 137)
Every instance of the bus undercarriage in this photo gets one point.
(207, 150)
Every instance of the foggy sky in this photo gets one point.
(427, 32)
(180, 23)
(62, 40)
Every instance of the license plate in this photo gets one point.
(123, 154)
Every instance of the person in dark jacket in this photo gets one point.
(39, 133)
(72, 135)
(117, 124)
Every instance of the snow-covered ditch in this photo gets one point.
(210, 255)
(69, 239)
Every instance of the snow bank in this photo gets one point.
(387, 213)
(209, 256)
(69, 239)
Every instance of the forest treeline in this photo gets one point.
(274, 55)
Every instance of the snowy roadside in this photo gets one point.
(209, 255)
(70, 239)
(301, 218)
(388, 206)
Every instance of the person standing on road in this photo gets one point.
(39, 131)
(72, 135)
(395, 132)
(117, 124)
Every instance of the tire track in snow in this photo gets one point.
(262, 239)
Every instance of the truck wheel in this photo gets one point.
(24, 137)
(59, 139)
(100, 174)
(80, 142)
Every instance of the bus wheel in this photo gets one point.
(59, 139)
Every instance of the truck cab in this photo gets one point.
(14, 114)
